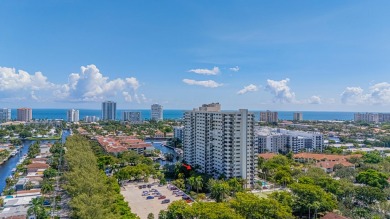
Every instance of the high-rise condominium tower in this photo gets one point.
(5, 115)
(109, 110)
(73, 115)
(156, 112)
(298, 116)
(24, 114)
(220, 143)
(269, 117)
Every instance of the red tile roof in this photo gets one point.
(267, 156)
(37, 166)
(319, 157)
(332, 215)
(331, 164)
(114, 144)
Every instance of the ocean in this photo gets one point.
(178, 114)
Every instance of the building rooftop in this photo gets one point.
(115, 144)
(37, 166)
(332, 215)
(331, 164)
(267, 156)
(321, 157)
(18, 212)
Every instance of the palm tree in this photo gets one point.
(235, 185)
(47, 188)
(37, 209)
(191, 182)
(198, 183)
(219, 191)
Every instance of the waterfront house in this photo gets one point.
(21, 184)
(35, 167)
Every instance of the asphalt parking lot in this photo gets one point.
(142, 206)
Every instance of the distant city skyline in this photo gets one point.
(257, 55)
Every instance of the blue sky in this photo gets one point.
(278, 55)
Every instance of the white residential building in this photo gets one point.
(372, 117)
(109, 110)
(24, 114)
(220, 143)
(5, 115)
(282, 141)
(132, 117)
(298, 116)
(90, 119)
(73, 115)
(178, 132)
(156, 112)
(269, 117)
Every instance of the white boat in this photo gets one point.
(14, 153)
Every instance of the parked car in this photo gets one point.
(140, 187)
(149, 186)
(150, 197)
(162, 197)
(145, 194)
(165, 201)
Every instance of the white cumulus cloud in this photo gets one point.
(208, 83)
(249, 88)
(377, 94)
(92, 85)
(314, 100)
(380, 93)
(281, 91)
(88, 85)
(353, 95)
(235, 69)
(205, 71)
(10, 80)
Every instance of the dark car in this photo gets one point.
(149, 186)
(162, 197)
(150, 197)
(165, 201)
(143, 186)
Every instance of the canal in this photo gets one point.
(6, 167)
(165, 150)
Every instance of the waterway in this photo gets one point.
(6, 167)
(165, 150)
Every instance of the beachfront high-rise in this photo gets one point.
(108, 110)
(5, 115)
(24, 114)
(220, 143)
(298, 116)
(269, 117)
(156, 112)
(73, 115)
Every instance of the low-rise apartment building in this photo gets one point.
(278, 140)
